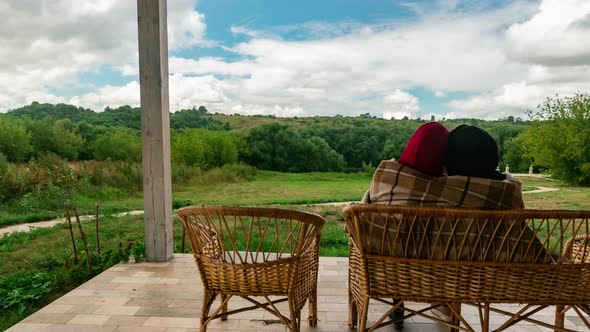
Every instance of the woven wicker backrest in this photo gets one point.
(576, 249)
(250, 234)
(516, 236)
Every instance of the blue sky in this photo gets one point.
(448, 58)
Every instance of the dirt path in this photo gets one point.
(49, 223)
(540, 190)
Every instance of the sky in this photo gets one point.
(484, 59)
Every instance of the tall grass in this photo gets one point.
(39, 189)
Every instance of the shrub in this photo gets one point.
(13, 180)
(118, 144)
(120, 174)
(24, 288)
(281, 148)
(197, 147)
(229, 173)
(182, 173)
(15, 141)
(60, 137)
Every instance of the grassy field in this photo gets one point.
(265, 189)
(566, 197)
(279, 188)
(270, 188)
(46, 253)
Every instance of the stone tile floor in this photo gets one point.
(166, 297)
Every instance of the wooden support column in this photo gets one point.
(155, 128)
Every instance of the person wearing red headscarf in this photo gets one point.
(426, 151)
(424, 155)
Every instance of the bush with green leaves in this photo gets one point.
(279, 147)
(25, 288)
(60, 137)
(228, 173)
(559, 138)
(15, 141)
(117, 144)
(514, 155)
(203, 148)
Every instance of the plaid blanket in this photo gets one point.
(394, 183)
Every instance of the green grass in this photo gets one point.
(47, 250)
(279, 188)
(566, 197)
(267, 188)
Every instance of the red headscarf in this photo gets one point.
(427, 149)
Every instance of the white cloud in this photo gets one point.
(516, 98)
(357, 67)
(557, 35)
(509, 99)
(49, 43)
(186, 27)
(508, 59)
(400, 104)
(243, 30)
(112, 96)
(209, 65)
(428, 116)
(552, 45)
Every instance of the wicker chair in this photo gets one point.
(472, 257)
(255, 252)
(577, 250)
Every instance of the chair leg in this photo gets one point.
(454, 318)
(224, 308)
(364, 312)
(559, 315)
(398, 313)
(295, 321)
(313, 309)
(352, 311)
(208, 299)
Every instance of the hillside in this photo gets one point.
(360, 140)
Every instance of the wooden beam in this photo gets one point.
(155, 128)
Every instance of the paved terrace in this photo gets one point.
(166, 297)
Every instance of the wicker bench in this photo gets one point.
(537, 258)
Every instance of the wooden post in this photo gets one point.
(155, 128)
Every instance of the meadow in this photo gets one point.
(43, 257)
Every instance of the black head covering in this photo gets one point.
(473, 152)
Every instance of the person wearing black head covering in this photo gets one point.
(473, 152)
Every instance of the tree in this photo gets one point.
(15, 141)
(37, 111)
(204, 148)
(68, 142)
(60, 137)
(394, 146)
(89, 134)
(559, 138)
(188, 148)
(123, 116)
(117, 144)
(515, 156)
(196, 118)
(274, 146)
